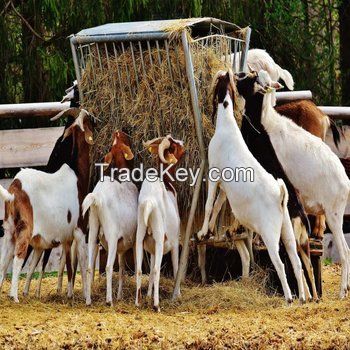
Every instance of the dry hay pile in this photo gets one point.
(144, 99)
(234, 315)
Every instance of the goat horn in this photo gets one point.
(165, 144)
(148, 143)
(73, 112)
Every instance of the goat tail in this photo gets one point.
(335, 133)
(283, 194)
(147, 210)
(89, 200)
(6, 195)
(286, 77)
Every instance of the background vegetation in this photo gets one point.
(311, 38)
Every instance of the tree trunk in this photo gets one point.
(344, 26)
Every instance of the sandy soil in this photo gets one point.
(230, 315)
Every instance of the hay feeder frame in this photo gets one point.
(111, 40)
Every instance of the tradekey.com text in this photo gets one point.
(139, 174)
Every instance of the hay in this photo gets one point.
(230, 315)
(146, 101)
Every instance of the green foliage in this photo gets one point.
(36, 64)
(327, 262)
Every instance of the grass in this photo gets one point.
(228, 315)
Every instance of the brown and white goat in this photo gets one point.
(113, 214)
(42, 209)
(158, 217)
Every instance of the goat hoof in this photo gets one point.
(302, 301)
(289, 301)
(200, 235)
(156, 308)
(25, 294)
(14, 299)
(109, 303)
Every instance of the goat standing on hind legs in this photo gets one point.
(158, 222)
(325, 189)
(113, 214)
(259, 205)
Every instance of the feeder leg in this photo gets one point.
(202, 252)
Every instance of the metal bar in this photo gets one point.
(142, 61)
(134, 63)
(215, 35)
(117, 64)
(92, 63)
(83, 65)
(107, 56)
(120, 37)
(243, 65)
(150, 52)
(40, 109)
(199, 131)
(127, 71)
(168, 59)
(286, 96)
(336, 112)
(98, 54)
(158, 51)
(234, 56)
(76, 66)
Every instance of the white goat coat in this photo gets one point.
(326, 186)
(258, 59)
(223, 152)
(115, 205)
(160, 210)
(51, 197)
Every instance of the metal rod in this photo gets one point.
(234, 57)
(243, 66)
(134, 63)
(142, 61)
(150, 52)
(286, 96)
(83, 65)
(117, 64)
(92, 63)
(76, 66)
(199, 131)
(98, 54)
(107, 56)
(85, 39)
(158, 50)
(127, 71)
(213, 36)
(168, 59)
(178, 65)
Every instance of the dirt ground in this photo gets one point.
(230, 315)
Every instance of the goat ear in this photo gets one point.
(153, 148)
(108, 158)
(68, 132)
(88, 135)
(128, 155)
(170, 158)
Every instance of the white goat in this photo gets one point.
(325, 188)
(260, 205)
(158, 218)
(113, 216)
(258, 59)
(36, 214)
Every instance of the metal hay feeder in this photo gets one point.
(109, 41)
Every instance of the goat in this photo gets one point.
(42, 210)
(258, 59)
(158, 221)
(113, 208)
(260, 205)
(60, 155)
(325, 188)
(259, 143)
